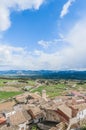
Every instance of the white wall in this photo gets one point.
(81, 114)
(8, 114)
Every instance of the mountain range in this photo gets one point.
(45, 74)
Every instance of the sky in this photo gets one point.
(42, 35)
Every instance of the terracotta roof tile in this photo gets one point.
(2, 120)
(7, 106)
(19, 117)
(66, 110)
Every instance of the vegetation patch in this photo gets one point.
(52, 90)
(6, 95)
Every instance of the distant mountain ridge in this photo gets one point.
(46, 74)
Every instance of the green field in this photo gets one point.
(31, 82)
(3, 81)
(52, 90)
(53, 87)
(6, 95)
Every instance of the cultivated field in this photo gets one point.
(12, 87)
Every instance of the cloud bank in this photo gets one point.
(71, 56)
(6, 6)
(66, 7)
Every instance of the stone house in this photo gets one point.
(77, 100)
(8, 113)
(65, 113)
(7, 106)
(81, 111)
(22, 98)
(21, 119)
(52, 115)
(36, 113)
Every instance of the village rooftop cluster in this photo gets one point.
(26, 110)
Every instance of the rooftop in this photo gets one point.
(7, 106)
(2, 120)
(19, 117)
(66, 110)
(80, 107)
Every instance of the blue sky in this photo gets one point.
(42, 34)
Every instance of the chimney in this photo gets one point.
(44, 95)
(74, 101)
(74, 111)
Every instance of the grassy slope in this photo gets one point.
(6, 95)
(52, 90)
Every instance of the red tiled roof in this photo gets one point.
(2, 120)
(76, 93)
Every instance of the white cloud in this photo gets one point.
(47, 44)
(19, 58)
(44, 44)
(4, 19)
(7, 5)
(71, 56)
(74, 54)
(13, 57)
(66, 7)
